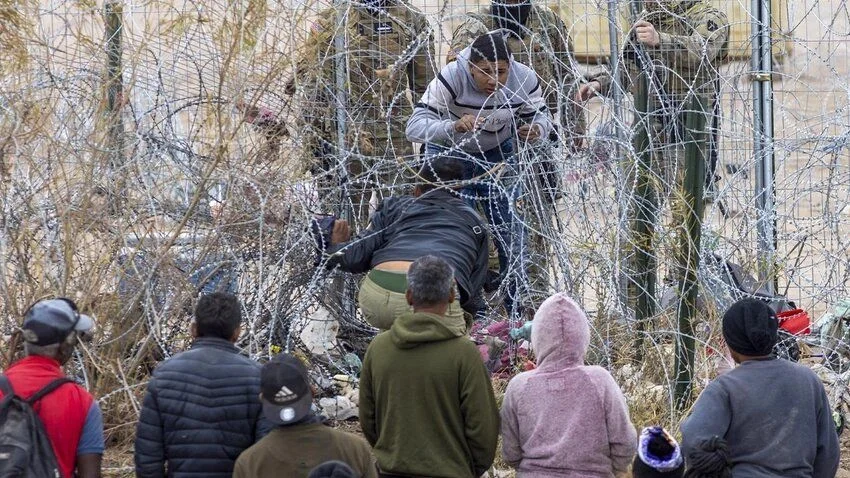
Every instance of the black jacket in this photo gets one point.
(201, 410)
(406, 228)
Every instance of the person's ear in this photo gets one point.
(409, 297)
(193, 329)
(66, 348)
(451, 295)
(736, 357)
(236, 334)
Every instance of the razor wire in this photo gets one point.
(220, 190)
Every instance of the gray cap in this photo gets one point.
(50, 321)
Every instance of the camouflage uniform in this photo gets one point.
(694, 37)
(685, 66)
(389, 51)
(547, 48)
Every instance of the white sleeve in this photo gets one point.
(534, 108)
(430, 120)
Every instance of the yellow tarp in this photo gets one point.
(588, 25)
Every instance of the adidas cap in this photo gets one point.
(286, 393)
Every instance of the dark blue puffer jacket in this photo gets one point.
(202, 409)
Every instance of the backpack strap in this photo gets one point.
(6, 385)
(47, 389)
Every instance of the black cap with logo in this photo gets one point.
(286, 393)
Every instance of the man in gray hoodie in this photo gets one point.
(473, 111)
(774, 414)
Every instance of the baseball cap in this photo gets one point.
(285, 390)
(49, 321)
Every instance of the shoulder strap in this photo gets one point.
(50, 387)
(464, 213)
(6, 387)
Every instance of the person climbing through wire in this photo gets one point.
(538, 39)
(473, 111)
(434, 220)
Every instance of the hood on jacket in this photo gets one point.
(462, 61)
(560, 333)
(412, 329)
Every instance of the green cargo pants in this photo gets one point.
(382, 299)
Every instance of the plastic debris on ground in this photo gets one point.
(493, 343)
(319, 334)
(338, 408)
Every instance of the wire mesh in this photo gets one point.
(228, 149)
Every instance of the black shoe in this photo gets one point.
(491, 284)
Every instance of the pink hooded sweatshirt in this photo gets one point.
(565, 419)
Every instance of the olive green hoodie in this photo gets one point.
(426, 403)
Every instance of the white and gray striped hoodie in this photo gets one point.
(453, 93)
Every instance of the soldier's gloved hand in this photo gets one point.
(646, 34)
(467, 123)
(529, 132)
(587, 91)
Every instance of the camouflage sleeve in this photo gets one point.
(317, 45)
(707, 42)
(420, 70)
(573, 120)
(463, 36)
(606, 79)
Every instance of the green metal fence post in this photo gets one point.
(114, 19)
(689, 247)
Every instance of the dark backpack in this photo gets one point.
(25, 449)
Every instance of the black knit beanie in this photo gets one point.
(332, 469)
(658, 455)
(750, 328)
(710, 459)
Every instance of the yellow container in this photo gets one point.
(587, 22)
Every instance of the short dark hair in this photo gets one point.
(439, 169)
(491, 47)
(430, 281)
(218, 315)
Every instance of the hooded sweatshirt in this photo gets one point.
(453, 94)
(565, 419)
(426, 403)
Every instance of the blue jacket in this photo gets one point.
(201, 410)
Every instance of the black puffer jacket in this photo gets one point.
(202, 409)
(406, 228)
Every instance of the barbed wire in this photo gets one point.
(219, 179)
